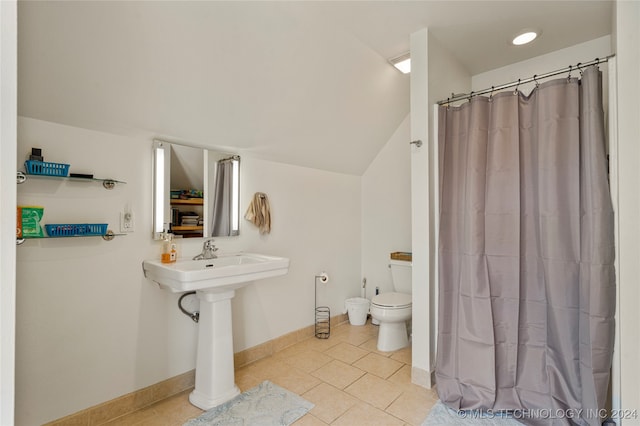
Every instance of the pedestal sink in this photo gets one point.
(214, 281)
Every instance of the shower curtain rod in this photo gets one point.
(535, 78)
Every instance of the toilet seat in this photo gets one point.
(392, 301)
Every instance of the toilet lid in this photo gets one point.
(392, 300)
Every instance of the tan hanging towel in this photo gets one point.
(259, 212)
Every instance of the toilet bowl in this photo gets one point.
(392, 310)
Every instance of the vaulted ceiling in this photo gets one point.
(300, 82)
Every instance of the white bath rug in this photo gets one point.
(440, 415)
(265, 405)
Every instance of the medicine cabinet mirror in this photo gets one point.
(195, 191)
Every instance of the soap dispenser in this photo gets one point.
(166, 248)
(173, 255)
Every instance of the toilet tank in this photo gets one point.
(401, 275)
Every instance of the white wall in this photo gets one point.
(90, 327)
(559, 59)
(316, 224)
(420, 210)
(8, 114)
(386, 209)
(435, 73)
(627, 44)
(398, 202)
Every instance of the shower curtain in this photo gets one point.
(222, 195)
(526, 252)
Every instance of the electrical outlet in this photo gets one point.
(126, 221)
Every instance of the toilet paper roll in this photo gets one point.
(324, 277)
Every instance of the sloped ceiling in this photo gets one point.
(304, 83)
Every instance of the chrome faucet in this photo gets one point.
(208, 250)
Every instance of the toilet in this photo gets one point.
(392, 310)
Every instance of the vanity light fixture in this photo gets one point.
(402, 63)
(159, 224)
(526, 36)
(235, 202)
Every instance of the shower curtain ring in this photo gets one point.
(569, 76)
(491, 94)
(579, 69)
(534, 79)
(515, 92)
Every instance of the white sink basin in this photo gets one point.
(226, 272)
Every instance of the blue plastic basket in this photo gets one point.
(46, 169)
(75, 230)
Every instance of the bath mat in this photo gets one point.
(265, 405)
(440, 415)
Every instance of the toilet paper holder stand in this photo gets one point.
(322, 313)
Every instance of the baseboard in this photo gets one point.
(126, 404)
(134, 401)
(422, 377)
(269, 348)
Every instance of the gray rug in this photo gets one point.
(265, 405)
(440, 415)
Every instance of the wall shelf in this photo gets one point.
(108, 236)
(21, 177)
(106, 182)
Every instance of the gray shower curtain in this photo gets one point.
(222, 195)
(526, 252)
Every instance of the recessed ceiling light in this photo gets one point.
(524, 38)
(402, 62)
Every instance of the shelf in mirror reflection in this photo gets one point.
(186, 228)
(187, 202)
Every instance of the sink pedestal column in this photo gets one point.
(215, 383)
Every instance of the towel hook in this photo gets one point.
(417, 143)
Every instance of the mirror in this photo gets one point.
(195, 191)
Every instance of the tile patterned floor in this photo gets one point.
(350, 382)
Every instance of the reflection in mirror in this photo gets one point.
(196, 191)
(187, 169)
(225, 188)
